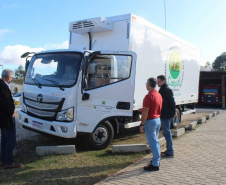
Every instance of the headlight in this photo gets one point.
(66, 115)
(24, 108)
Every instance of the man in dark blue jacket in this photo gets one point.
(167, 114)
(7, 121)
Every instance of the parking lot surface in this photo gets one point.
(200, 158)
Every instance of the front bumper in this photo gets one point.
(49, 127)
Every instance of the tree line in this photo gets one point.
(220, 62)
(19, 75)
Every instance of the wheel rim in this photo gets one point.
(100, 135)
(176, 120)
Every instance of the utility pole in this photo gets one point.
(1, 65)
(165, 12)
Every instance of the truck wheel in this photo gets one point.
(101, 136)
(176, 120)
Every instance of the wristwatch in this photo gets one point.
(141, 125)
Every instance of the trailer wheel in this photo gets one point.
(176, 120)
(102, 136)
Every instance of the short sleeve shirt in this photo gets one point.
(153, 101)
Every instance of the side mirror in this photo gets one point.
(27, 64)
(85, 96)
(27, 56)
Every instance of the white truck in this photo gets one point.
(98, 84)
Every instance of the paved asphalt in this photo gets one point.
(200, 158)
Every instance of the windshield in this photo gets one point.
(54, 69)
(210, 91)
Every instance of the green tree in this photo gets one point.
(19, 75)
(220, 61)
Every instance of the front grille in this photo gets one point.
(46, 98)
(209, 98)
(43, 106)
(45, 109)
(41, 113)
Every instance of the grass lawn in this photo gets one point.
(83, 167)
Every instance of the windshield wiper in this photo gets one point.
(36, 82)
(55, 83)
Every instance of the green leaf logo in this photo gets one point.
(175, 64)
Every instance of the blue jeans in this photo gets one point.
(168, 136)
(151, 128)
(8, 143)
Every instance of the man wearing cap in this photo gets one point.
(150, 122)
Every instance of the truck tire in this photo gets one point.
(101, 137)
(176, 120)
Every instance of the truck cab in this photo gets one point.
(68, 92)
(211, 95)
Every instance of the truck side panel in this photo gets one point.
(158, 53)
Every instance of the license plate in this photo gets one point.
(37, 124)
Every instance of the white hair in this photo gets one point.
(6, 73)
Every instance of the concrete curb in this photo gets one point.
(209, 116)
(201, 120)
(129, 148)
(59, 150)
(133, 148)
(214, 114)
(179, 132)
(219, 111)
(192, 125)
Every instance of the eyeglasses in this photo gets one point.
(159, 82)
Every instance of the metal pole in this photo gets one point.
(223, 91)
(165, 12)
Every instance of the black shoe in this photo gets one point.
(151, 163)
(151, 168)
(165, 154)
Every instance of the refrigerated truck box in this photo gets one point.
(158, 52)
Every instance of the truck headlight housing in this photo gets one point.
(24, 108)
(66, 115)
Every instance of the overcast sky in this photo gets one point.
(43, 24)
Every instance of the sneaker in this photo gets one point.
(151, 163)
(165, 154)
(151, 168)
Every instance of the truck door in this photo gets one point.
(107, 89)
